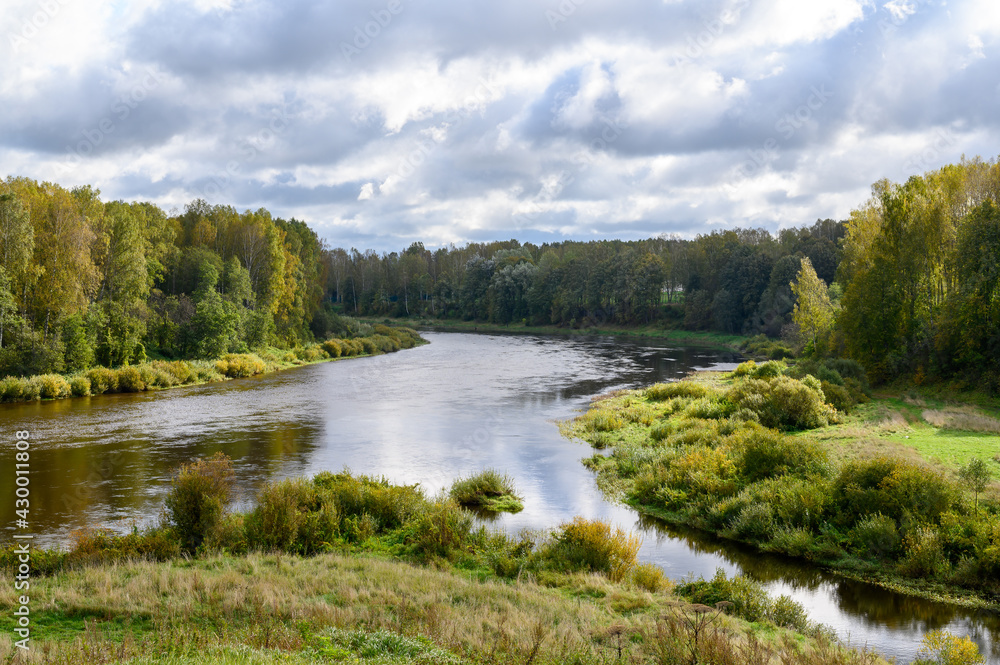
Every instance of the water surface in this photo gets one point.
(426, 415)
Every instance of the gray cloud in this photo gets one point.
(473, 121)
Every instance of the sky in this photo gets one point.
(385, 122)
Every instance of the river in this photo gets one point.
(427, 415)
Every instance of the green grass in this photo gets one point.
(489, 491)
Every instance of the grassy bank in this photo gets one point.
(810, 468)
(341, 568)
(161, 374)
(677, 336)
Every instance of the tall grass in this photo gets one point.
(487, 490)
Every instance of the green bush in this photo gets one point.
(754, 523)
(52, 386)
(876, 536)
(228, 535)
(31, 389)
(198, 497)
(744, 369)
(102, 380)
(440, 529)
(178, 369)
(768, 370)
(924, 555)
(664, 391)
(292, 516)
(80, 386)
(892, 487)
(782, 402)
(838, 397)
(130, 380)
(765, 453)
(708, 409)
(96, 546)
(488, 490)
(390, 506)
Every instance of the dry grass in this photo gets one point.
(270, 609)
(963, 419)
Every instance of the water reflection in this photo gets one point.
(427, 415)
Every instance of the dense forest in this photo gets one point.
(84, 281)
(909, 285)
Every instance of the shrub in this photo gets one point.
(11, 389)
(31, 389)
(924, 556)
(178, 369)
(876, 536)
(440, 529)
(768, 370)
(744, 368)
(782, 402)
(239, 365)
(892, 487)
(332, 347)
(489, 490)
(94, 546)
(198, 496)
(130, 380)
(228, 535)
(52, 386)
(593, 545)
(664, 391)
(838, 397)
(708, 409)
(650, 577)
(947, 649)
(764, 453)
(749, 598)
(80, 386)
(292, 516)
(367, 345)
(389, 506)
(102, 380)
(754, 523)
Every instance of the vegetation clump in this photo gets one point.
(488, 490)
(735, 456)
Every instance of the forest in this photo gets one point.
(908, 285)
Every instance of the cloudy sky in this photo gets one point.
(381, 122)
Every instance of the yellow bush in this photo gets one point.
(52, 386)
(594, 545)
(947, 649)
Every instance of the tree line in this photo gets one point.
(908, 285)
(85, 281)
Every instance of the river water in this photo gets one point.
(427, 415)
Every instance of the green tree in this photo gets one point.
(976, 475)
(813, 313)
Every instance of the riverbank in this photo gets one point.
(351, 568)
(871, 490)
(712, 340)
(164, 374)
